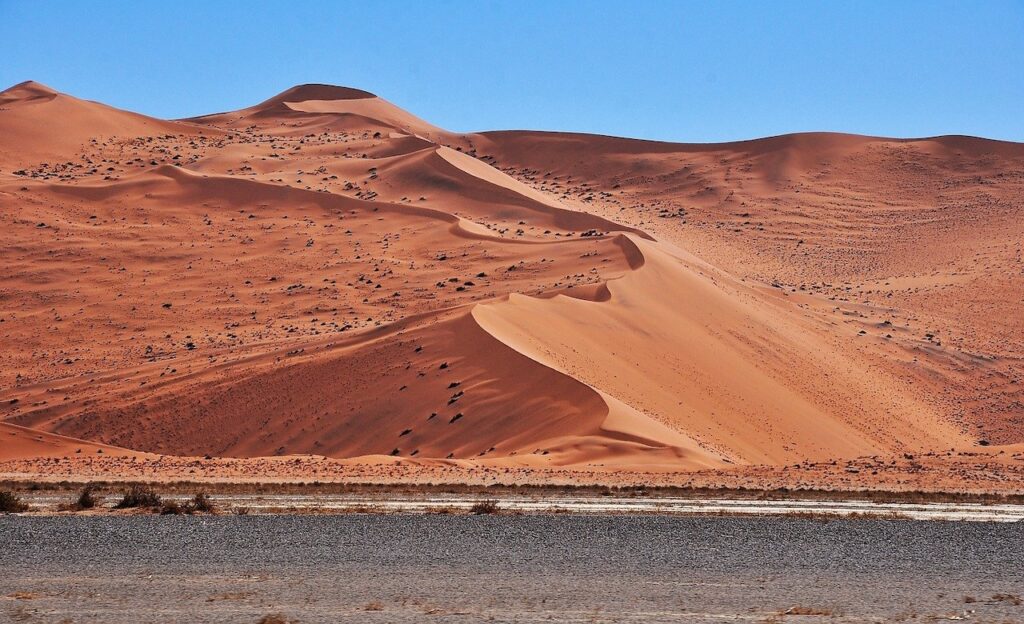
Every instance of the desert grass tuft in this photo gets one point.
(485, 507)
(139, 496)
(10, 503)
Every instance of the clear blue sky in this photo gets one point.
(680, 71)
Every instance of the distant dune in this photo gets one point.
(326, 274)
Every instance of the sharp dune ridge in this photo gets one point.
(326, 274)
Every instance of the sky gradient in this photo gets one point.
(674, 71)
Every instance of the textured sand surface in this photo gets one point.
(324, 274)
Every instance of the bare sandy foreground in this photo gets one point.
(991, 471)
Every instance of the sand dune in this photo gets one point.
(18, 443)
(39, 124)
(316, 106)
(326, 274)
(913, 241)
(704, 354)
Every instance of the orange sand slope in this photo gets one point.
(326, 274)
(22, 443)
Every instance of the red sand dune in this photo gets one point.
(21, 443)
(326, 274)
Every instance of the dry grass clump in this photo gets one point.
(144, 497)
(139, 496)
(86, 500)
(10, 503)
(173, 508)
(484, 507)
(200, 503)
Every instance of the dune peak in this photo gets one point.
(306, 92)
(27, 90)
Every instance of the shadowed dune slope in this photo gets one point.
(443, 388)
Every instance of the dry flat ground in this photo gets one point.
(458, 568)
(325, 287)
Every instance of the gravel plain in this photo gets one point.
(506, 568)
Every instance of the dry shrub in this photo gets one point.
(10, 503)
(86, 500)
(202, 503)
(139, 496)
(484, 507)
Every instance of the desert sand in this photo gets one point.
(324, 286)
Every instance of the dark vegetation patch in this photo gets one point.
(11, 503)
